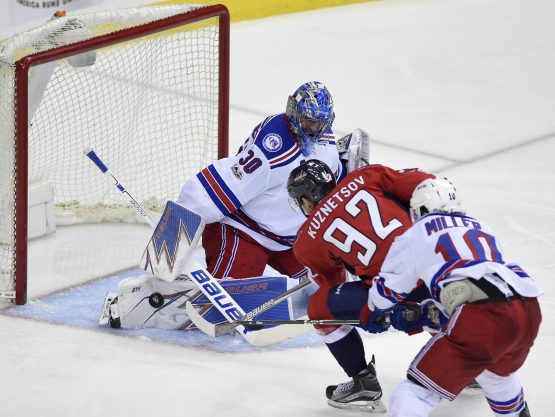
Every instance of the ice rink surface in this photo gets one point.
(464, 88)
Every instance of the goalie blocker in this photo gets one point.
(175, 237)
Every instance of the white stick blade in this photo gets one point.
(202, 324)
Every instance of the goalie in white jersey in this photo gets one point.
(489, 306)
(243, 199)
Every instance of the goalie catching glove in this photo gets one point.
(354, 150)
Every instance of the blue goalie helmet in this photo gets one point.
(310, 112)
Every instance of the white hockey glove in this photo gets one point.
(354, 149)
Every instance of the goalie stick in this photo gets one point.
(91, 154)
(215, 330)
(203, 279)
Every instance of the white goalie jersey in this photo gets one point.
(248, 192)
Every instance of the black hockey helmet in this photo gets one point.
(312, 180)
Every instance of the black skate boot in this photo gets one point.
(473, 387)
(362, 392)
(525, 412)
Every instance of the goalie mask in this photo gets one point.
(437, 195)
(310, 113)
(312, 181)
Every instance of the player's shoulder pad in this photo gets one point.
(275, 141)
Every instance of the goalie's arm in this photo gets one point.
(226, 185)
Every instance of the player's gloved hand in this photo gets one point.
(406, 317)
(411, 317)
(435, 317)
(377, 322)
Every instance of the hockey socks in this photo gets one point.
(349, 353)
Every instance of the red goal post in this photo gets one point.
(147, 88)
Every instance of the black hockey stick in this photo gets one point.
(259, 324)
(215, 330)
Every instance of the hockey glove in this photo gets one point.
(378, 321)
(411, 317)
(354, 150)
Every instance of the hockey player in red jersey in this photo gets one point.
(350, 226)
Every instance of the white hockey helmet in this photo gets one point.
(437, 195)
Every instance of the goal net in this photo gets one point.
(146, 88)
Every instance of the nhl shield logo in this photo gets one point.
(272, 142)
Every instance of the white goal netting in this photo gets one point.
(147, 104)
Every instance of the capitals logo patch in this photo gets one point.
(272, 142)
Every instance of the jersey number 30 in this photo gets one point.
(352, 235)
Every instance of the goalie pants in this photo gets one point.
(234, 254)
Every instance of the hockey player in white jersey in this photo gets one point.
(243, 199)
(489, 307)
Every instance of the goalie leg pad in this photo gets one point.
(146, 301)
(250, 293)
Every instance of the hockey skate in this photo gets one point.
(362, 392)
(473, 386)
(110, 311)
(525, 412)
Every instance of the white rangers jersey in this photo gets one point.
(440, 248)
(248, 191)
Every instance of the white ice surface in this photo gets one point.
(463, 87)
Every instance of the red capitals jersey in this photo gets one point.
(356, 223)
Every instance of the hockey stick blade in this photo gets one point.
(203, 325)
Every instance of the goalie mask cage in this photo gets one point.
(150, 96)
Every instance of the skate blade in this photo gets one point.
(472, 390)
(375, 406)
